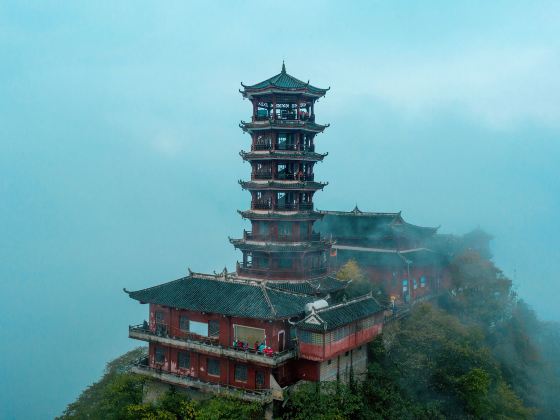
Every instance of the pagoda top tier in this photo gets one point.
(282, 83)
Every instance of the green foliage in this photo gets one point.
(176, 406)
(481, 292)
(325, 401)
(479, 353)
(109, 397)
(229, 408)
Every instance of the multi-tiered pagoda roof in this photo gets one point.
(238, 333)
(282, 83)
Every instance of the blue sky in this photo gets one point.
(119, 150)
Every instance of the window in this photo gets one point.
(329, 361)
(423, 281)
(160, 355)
(259, 378)
(340, 333)
(241, 373)
(160, 318)
(365, 323)
(184, 360)
(248, 334)
(310, 337)
(285, 263)
(184, 323)
(303, 231)
(262, 228)
(261, 261)
(161, 327)
(198, 328)
(214, 328)
(284, 229)
(213, 367)
(347, 353)
(405, 285)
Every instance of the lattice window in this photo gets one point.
(365, 323)
(213, 367)
(160, 317)
(184, 359)
(341, 333)
(184, 323)
(310, 337)
(160, 355)
(241, 373)
(214, 328)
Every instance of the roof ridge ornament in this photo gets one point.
(283, 67)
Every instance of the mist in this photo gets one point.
(119, 145)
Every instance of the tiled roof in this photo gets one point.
(269, 214)
(335, 316)
(282, 125)
(284, 81)
(367, 227)
(389, 257)
(319, 286)
(225, 297)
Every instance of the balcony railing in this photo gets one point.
(286, 206)
(261, 147)
(293, 206)
(283, 116)
(262, 396)
(295, 176)
(267, 205)
(262, 175)
(269, 237)
(261, 205)
(281, 147)
(209, 346)
(306, 206)
(262, 272)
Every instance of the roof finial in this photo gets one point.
(283, 67)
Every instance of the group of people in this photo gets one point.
(260, 348)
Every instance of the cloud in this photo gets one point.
(167, 144)
(500, 87)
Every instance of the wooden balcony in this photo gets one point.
(210, 347)
(294, 176)
(250, 236)
(267, 205)
(278, 274)
(266, 146)
(282, 116)
(141, 367)
(261, 205)
(283, 147)
(262, 175)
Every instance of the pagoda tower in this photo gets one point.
(282, 244)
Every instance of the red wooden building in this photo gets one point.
(280, 317)
(395, 255)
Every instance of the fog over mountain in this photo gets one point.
(119, 145)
